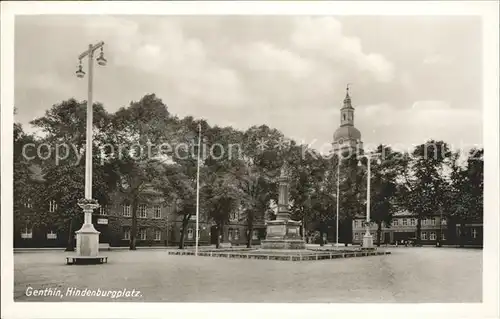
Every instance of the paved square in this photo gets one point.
(407, 275)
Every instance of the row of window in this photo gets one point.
(141, 234)
(234, 234)
(473, 232)
(141, 211)
(27, 233)
(405, 222)
(52, 205)
(126, 209)
(423, 235)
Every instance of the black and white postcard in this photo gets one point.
(273, 159)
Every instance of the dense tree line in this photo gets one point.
(237, 172)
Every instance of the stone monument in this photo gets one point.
(283, 233)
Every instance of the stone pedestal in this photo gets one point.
(87, 240)
(367, 241)
(283, 234)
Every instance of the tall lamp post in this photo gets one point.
(198, 191)
(367, 238)
(87, 238)
(338, 200)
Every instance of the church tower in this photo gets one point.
(347, 138)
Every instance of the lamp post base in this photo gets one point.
(367, 241)
(87, 241)
(87, 238)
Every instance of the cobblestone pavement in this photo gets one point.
(407, 275)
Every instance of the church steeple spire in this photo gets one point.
(347, 99)
(347, 111)
(347, 136)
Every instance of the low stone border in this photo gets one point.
(291, 257)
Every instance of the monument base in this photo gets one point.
(283, 234)
(283, 244)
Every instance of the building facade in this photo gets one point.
(433, 228)
(158, 224)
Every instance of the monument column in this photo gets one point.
(283, 233)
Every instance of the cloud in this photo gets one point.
(423, 121)
(286, 72)
(323, 37)
(268, 58)
(437, 59)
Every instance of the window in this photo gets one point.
(190, 233)
(142, 211)
(126, 211)
(412, 221)
(126, 233)
(405, 222)
(433, 221)
(230, 234)
(142, 234)
(236, 234)
(432, 235)
(157, 212)
(424, 235)
(395, 222)
(443, 236)
(52, 206)
(255, 234)
(344, 116)
(28, 204)
(424, 221)
(103, 210)
(157, 234)
(356, 236)
(27, 233)
(443, 221)
(51, 235)
(235, 215)
(473, 232)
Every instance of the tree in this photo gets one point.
(257, 173)
(424, 181)
(27, 184)
(465, 197)
(178, 187)
(383, 189)
(63, 165)
(141, 127)
(221, 197)
(310, 175)
(352, 195)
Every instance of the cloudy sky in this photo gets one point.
(413, 78)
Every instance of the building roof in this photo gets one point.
(347, 132)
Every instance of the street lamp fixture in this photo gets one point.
(101, 60)
(80, 73)
(367, 238)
